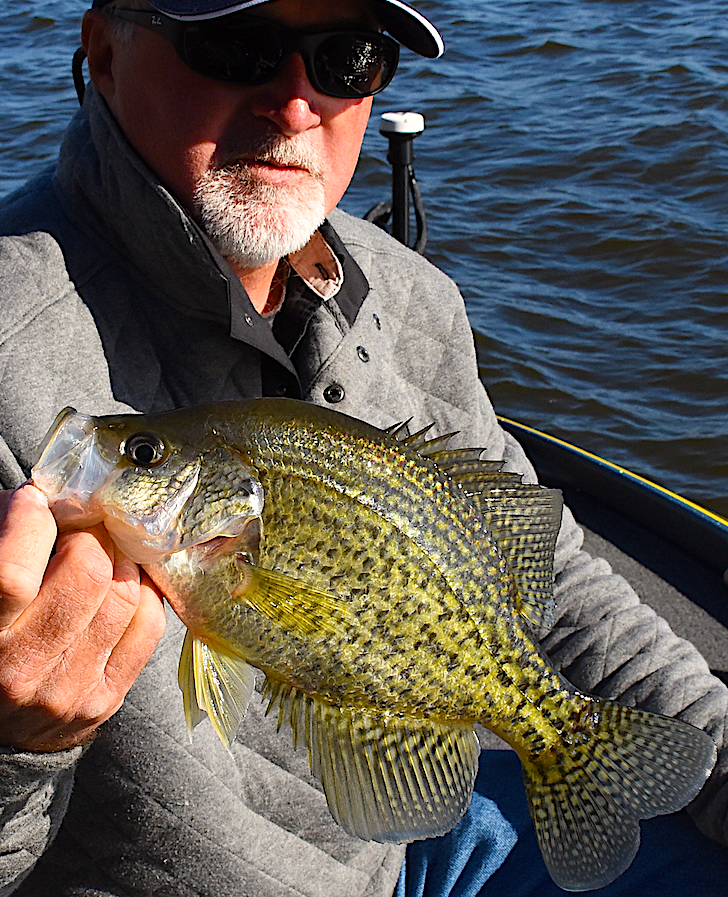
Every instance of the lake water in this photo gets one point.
(575, 173)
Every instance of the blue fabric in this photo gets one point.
(492, 852)
(459, 863)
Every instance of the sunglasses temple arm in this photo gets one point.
(77, 72)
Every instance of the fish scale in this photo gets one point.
(291, 495)
(389, 590)
(431, 524)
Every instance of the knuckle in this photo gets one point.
(127, 595)
(87, 565)
(14, 691)
(55, 707)
(157, 625)
(152, 611)
(100, 705)
(93, 578)
(18, 581)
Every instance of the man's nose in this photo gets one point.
(290, 100)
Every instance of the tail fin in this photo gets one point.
(623, 765)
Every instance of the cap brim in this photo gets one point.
(400, 19)
(411, 28)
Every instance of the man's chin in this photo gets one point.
(253, 227)
(252, 247)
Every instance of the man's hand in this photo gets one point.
(76, 626)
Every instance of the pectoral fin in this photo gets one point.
(385, 779)
(293, 604)
(214, 683)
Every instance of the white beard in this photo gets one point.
(253, 224)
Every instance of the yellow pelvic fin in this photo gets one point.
(293, 604)
(214, 683)
(618, 766)
(385, 778)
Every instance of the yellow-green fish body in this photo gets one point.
(389, 591)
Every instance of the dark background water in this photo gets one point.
(575, 174)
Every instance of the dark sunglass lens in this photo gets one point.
(350, 65)
(242, 52)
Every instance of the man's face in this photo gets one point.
(280, 147)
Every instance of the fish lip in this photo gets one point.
(70, 468)
(62, 419)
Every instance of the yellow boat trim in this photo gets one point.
(623, 470)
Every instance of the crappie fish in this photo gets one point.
(389, 589)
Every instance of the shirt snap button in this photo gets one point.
(334, 393)
(362, 353)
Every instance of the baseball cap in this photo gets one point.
(402, 21)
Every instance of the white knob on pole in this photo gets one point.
(402, 123)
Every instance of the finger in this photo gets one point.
(76, 583)
(100, 689)
(115, 612)
(141, 637)
(126, 628)
(80, 687)
(27, 535)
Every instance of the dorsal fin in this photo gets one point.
(417, 441)
(398, 430)
(466, 464)
(523, 519)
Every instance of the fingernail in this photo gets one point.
(33, 492)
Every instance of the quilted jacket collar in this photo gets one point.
(99, 170)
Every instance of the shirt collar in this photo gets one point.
(322, 271)
(318, 267)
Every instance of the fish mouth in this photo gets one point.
(73, 471)
(70, 469)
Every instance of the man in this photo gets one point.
(186, 248)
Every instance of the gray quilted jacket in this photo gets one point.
(112, 299)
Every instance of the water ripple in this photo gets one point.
(575, 171)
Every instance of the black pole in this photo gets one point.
(401, 128)
(400, 158)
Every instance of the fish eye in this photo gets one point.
(144, 450)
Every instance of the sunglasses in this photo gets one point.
(243, 49)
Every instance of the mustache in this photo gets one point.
(277, 150)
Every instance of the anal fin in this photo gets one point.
(385, 778)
